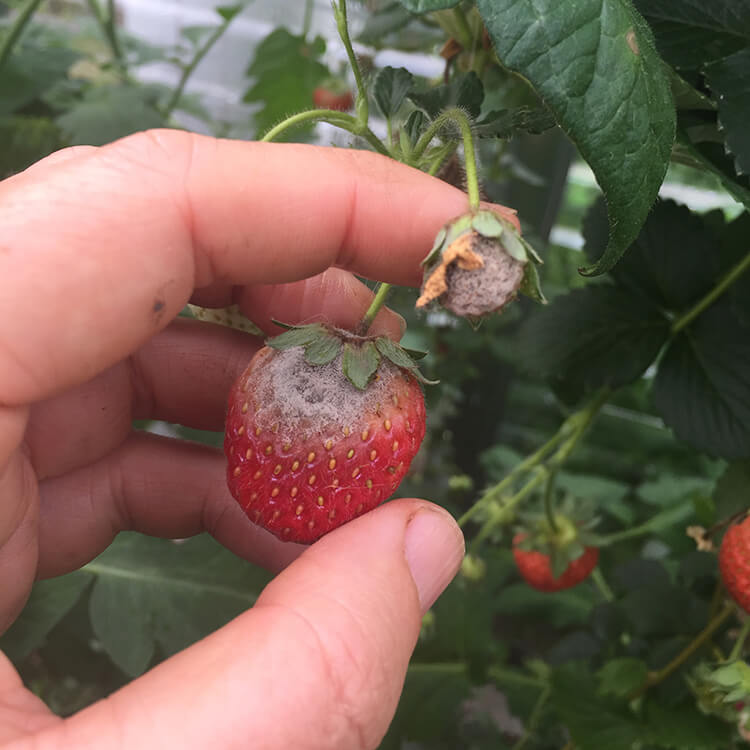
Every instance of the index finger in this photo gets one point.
(100, 251)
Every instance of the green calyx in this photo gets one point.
(492, 226)
(566, 542)
(360, 355)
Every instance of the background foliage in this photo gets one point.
(656, 348)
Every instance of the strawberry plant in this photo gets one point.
(593, 440)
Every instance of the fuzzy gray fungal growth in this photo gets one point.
(318, 397)
(483, 290)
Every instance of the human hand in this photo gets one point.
(99, 251)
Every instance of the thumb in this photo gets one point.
(319, 662)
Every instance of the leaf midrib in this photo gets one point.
(103, 570)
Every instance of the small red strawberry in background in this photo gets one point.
(321, 427)
(536, 567)
(329, 97)
(553, 559)
(734, 563)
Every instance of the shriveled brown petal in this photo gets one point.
(458, 252)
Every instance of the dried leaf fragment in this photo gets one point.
(459, 252)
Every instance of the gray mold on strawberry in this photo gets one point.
(478, 264)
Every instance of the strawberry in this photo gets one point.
(326, 98)
(734, 563)
(536, 567)
(321, 427)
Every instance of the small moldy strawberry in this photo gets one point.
(478, 264)
(321, 427)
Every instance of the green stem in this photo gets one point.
(549, 501)
(570, 432)
(496, 492)
(465, 35)
(534, 716)
(655, 678)
(599, 581)
(712, 296)
(338, 119)
(739, 644)
(459, 118)
(342, 23)
(377, 302)
(189, 69)
(13, 34)
(307, 22)
(107, 24)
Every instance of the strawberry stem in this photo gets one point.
(342, 23)
(377, 302)
(549, 501)
(739, 644)
(338, 119)
(654, 678)
(459, 118)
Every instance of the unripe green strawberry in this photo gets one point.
(308, 450)
(734, 563)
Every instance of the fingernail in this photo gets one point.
(434, 548)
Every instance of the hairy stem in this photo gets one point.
(189, 69)
(687, 318)
(377, 302)
(307, 22)
(342, 23)
(13, 34)
(459, 118)
(655, 678)
(332, 117)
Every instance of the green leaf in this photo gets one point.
(31, 71)
(620, 677)
(322, 349)
(399, 357)
(623, 122)
(669, 261)
(702, 388)
(558, 609)
(732, 491)
(427, 6)
(286, 69)
(196, 34)
(506, 123)
(684, 727)
(360, 362)
(594, 336)
(594, 722)
(690, 33)
(729, 80)
(228, 12)
(414, 125)
(661, 608)
(298, 336)
(49, 602)
(153, 592)
(25, 140)
(108, 113)
(391, 87)
(382, 21)
(670, 489)
(464, 91)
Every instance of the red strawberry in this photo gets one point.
(309, 451)
(536, 569)
(325, 98)
(734, 563)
